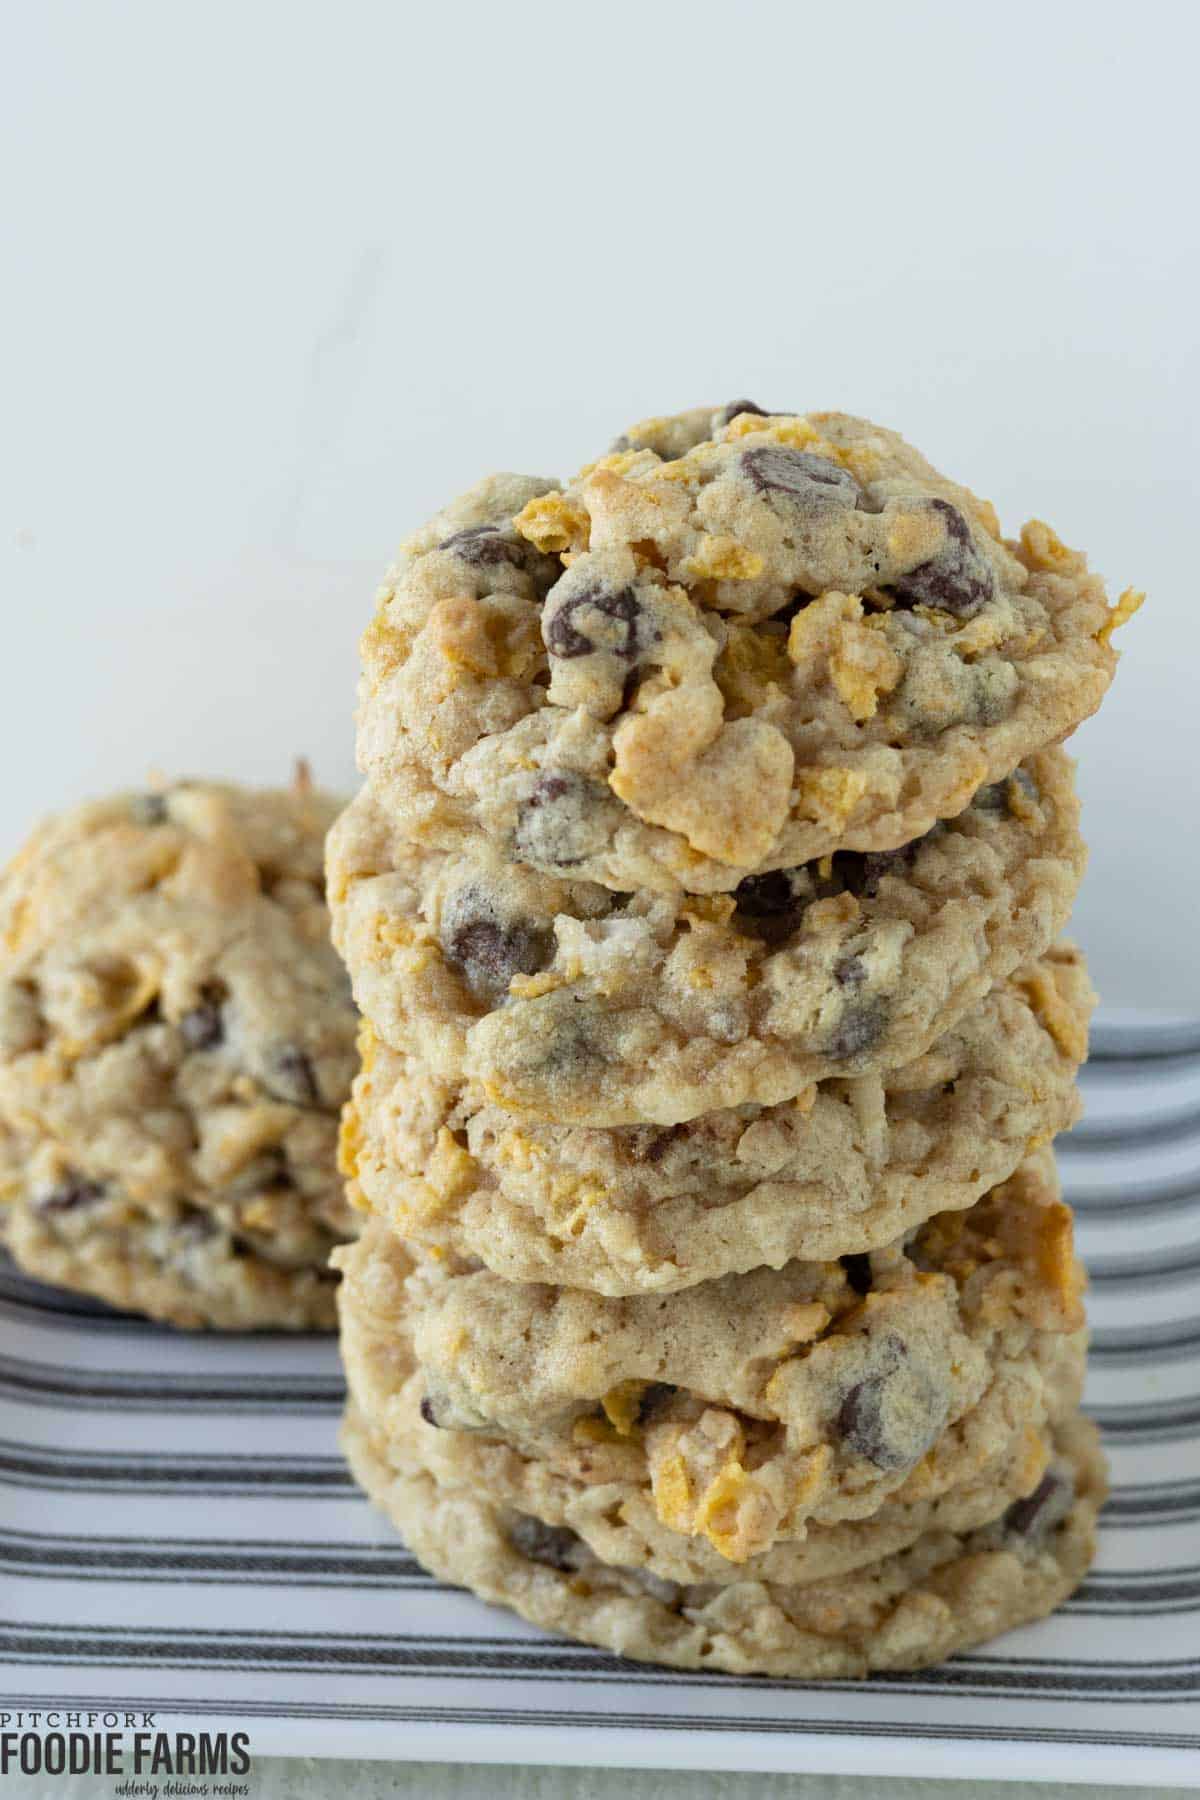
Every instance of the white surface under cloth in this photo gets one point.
(177, 1532)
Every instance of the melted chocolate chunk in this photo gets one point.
(891, 1416)
(565, 626)
(485, 546)
(957, 580)
(554, 1546)
(654, 1398)
(427, 1412)
(561, 822)
(857, 1265)
(630, 686)
(660, 1143)
(290, 1074)
(859, 1029)
(485, 947)
(73, 1192)
(861, 1424)
(765, 896)
(813, 482)
(999, 796)
(1038, 1512)
(768, 906)
(771, 906)
(859, 872)
(849, 971)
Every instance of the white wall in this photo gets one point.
(286, 277)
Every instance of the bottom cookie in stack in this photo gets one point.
(825, 1507)
(946, 1592)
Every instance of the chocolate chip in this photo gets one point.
(957, 580)
(291, 1076)
(654, 1398)
(563, 820)
(660, 1143)
(552, 1545)
(485, 947)
(860, 1423)
(202, 1027)
(149, 809)
(813, 482)
(730, 412)
(615, 631)
(764, 896)
(1038, 1512)
(572, 1042)
(427, 1412)
(860, 872)
(998, 797)
(630, 686)
(551, 787)
(71, 1193)
(857, 1265)
(768, 907)
(849, 971)
(891, 1417)
(858, 1030)
(486, 546)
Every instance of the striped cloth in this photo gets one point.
(178, 1534)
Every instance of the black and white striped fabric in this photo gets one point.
(177, 1533)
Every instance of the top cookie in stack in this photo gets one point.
(734, 646)
(702, 904)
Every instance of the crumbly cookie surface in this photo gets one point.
(756, 1402)
(566, 1001)
(847, 1167)
(176, 1039)
(604, 1497)
(710, 658)
(187, 1270)
(947, 1591)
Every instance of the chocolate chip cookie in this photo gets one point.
(176, 1039)
(752, 1404)
(604, 1498)
(846, 1167)
(712, 658)
(565, 1000)
(951, 1589)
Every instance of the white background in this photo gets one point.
(281, 279)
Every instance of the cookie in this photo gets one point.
(181, 1265)
(566, 1001)
(756, 1402)
(176, 1040)
(1003, 1457)
(948, 1591)
(686, 667)
(847, 1167)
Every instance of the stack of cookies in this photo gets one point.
(717, 1303)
